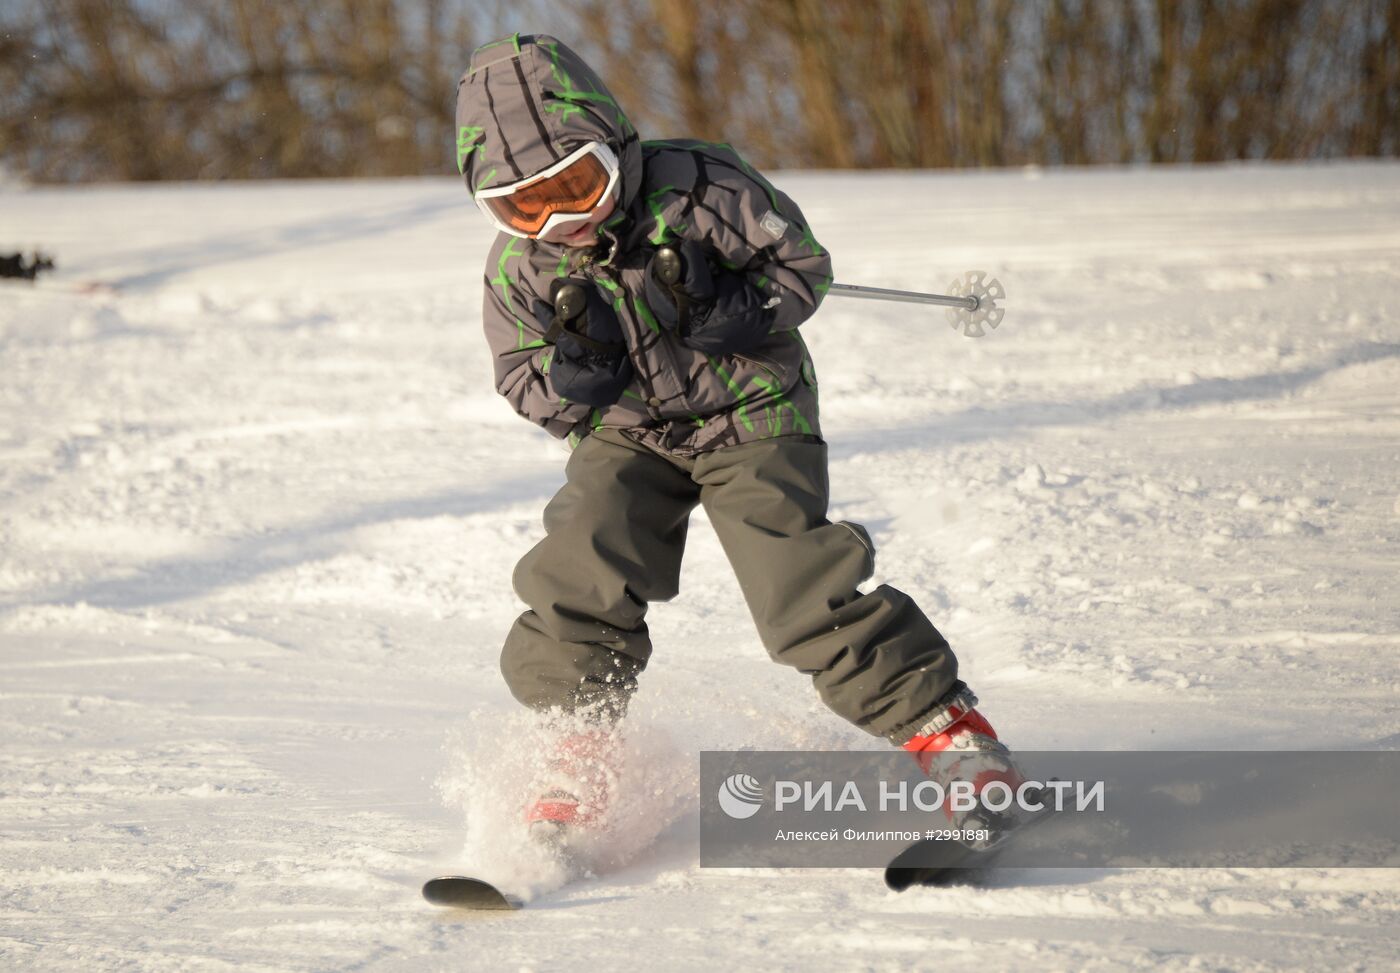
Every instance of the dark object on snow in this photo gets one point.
(461, 892)
(941, 863)
(13, 265)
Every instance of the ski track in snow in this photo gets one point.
(259, 507)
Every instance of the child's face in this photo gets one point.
(585, 233)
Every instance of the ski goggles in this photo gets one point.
(567, 192)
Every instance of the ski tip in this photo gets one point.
(898, 879)
(961, 865)
(903, 879)
(463, 892)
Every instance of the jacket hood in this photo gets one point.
(527, 101)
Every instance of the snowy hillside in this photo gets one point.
(259, 508)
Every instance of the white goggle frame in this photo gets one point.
(605, 155)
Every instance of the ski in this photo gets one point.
(900, 874)
(959, 863)
(463, 892)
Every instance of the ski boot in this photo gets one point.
(957, 744)
(574, 793)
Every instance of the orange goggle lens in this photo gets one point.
(575, 189)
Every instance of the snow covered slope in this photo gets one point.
(259, 507)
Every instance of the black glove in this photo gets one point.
(680, 286)
(590, 354)
(714, 311)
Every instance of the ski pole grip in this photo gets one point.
(668, 266)
(569, 302)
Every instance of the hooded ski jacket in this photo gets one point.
(526, 102)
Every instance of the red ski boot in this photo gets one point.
(576, 788)
(958, 745)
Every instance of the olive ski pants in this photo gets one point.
(615, 533)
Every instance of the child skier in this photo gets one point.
(642, 300)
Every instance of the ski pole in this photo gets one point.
(907, 297)
(971, 305)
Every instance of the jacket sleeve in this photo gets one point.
(520, 356)
(756, 230)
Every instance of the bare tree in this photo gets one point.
(211, 89)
